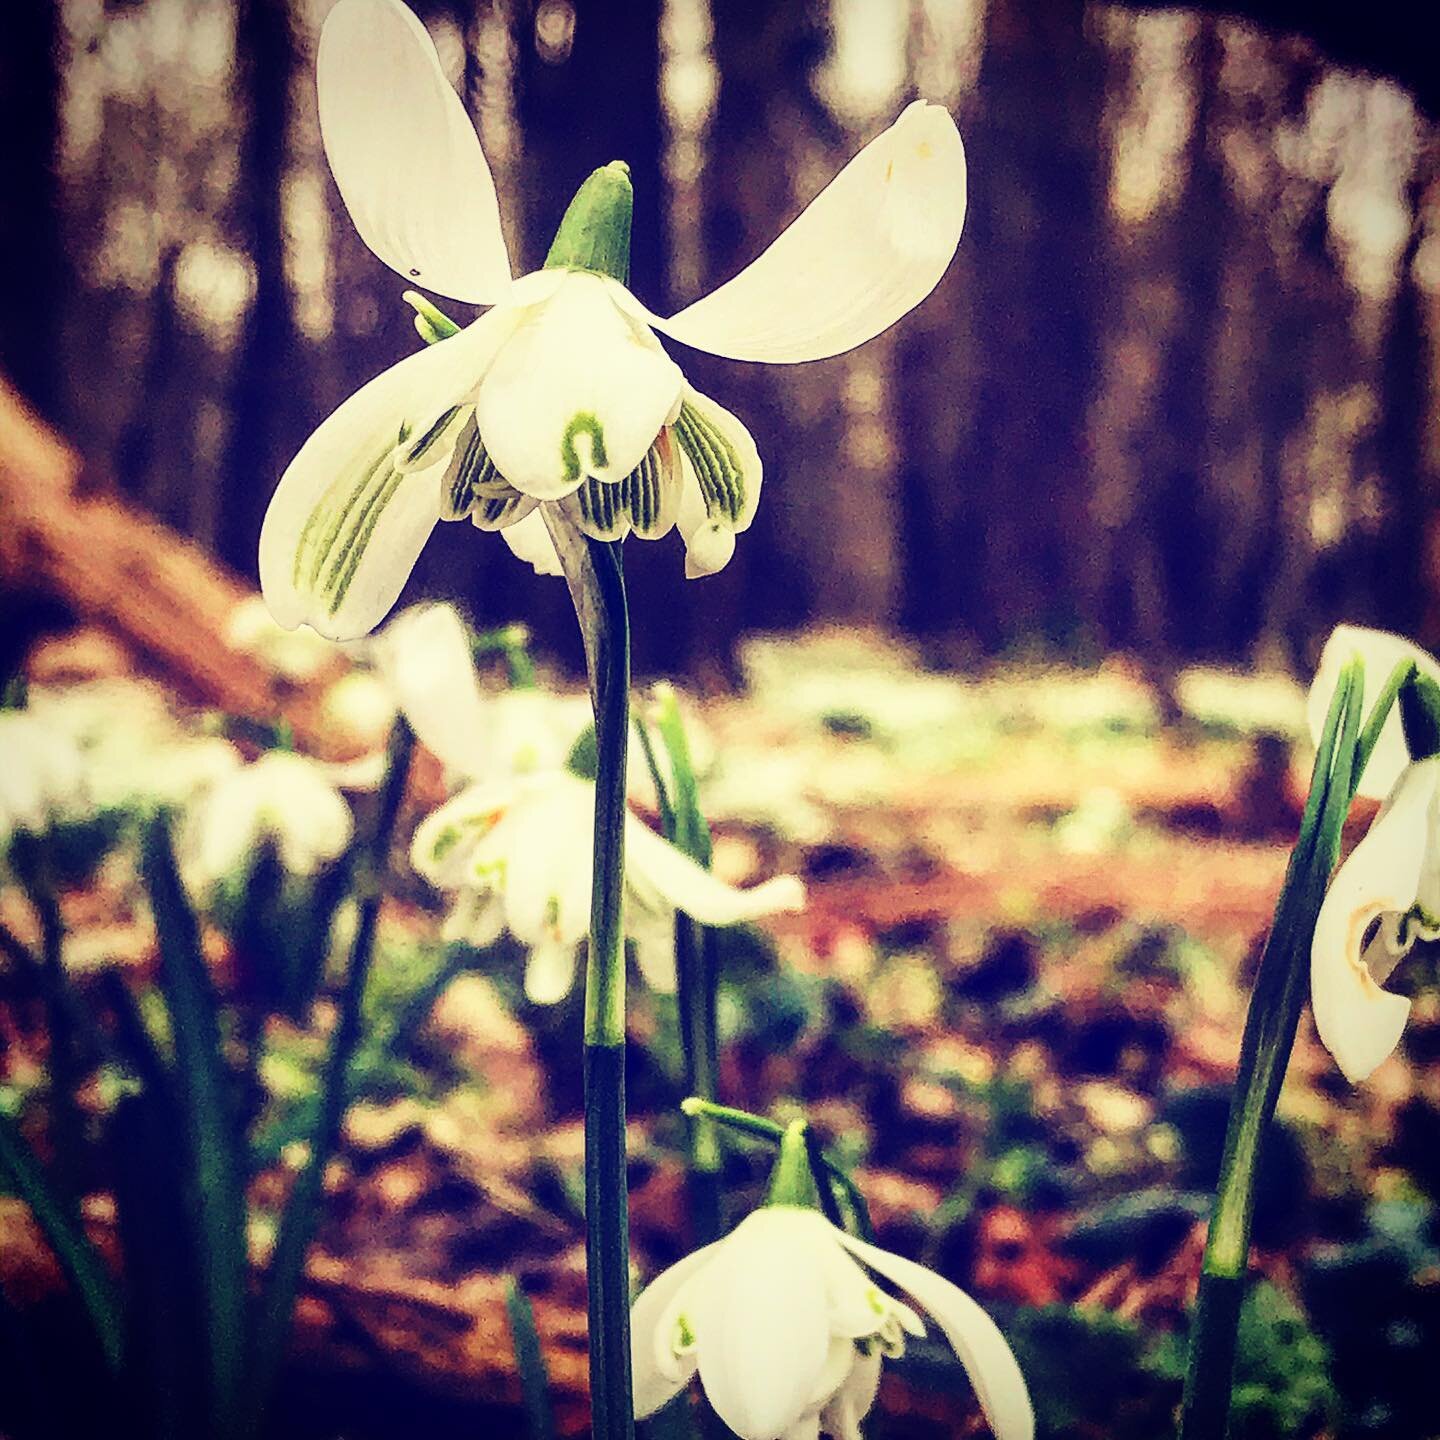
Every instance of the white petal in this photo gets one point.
(549, 971)
(477, 918)
(709, 545)
(425, 657)
(655, 866)
(579, 389)
(658, 1379)
(973, 1335)
(1359, 1021)
(720, 486)
(446, 840)
(344, 527)
(405, 155)
(870, 247)
(653, 933)
(854, 1400)
(1381, 652)
(544, 845)
(530, 541)
(761, 1328)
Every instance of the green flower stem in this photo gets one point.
(1280, 990)
(838, 1183)
(595, 575)
(1379, 714)
(78, 1257)
(530, 1362)
(302, 1211)
(697, 978)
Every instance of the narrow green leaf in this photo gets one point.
(210, 1125)
(302, 1211)
(78, 1258)
(530, 1363)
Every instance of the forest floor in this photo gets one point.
(1013, 1004)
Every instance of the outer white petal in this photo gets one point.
(973, 1335)
(709, 545)
(761, 1328)
(1359, 1021)
(297, 803)
(530, 541)
(424, 654)
(654, 865)
(658, 1378)
(544, 846)
(549, 971)
(579, 389)
(341, 508)
(405, 155)
(870, 247)
(653, 934)
(446, 840)
(854, 1400)
(1381, 653)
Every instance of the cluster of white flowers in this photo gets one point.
(514, 845)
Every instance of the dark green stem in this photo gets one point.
(1274, 1014)
(596, 578)
(302, 1211)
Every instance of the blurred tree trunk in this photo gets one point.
(762, 139)
(32, 256)
(268, 406)
(1000, 498)
(1400, 441)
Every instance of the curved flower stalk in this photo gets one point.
(286, 798)
(787, 1330)
(1386, 895)
(518, 852)
(560, 397)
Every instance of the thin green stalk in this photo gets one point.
(1269, 1037)
(697, 980)
(530, 1362)
(302, 1210)
(78, 1257)
(1379, 714)
(594, 573)
(758, 1128)
(211, 1130)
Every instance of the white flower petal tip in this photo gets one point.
(1380, 652)
(352, 513)
(708, 550)
(580, 390)
(530, 541)
(1392, 870)
(973, 1335)
(868, 249)
(404, 153)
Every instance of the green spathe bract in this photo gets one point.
(595, 233)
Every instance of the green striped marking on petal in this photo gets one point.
(471, 474)
(333, 542)
(717, 466)
(646, 500)
(582, 423)
(495, 512)
(604, 514)
(426, 450)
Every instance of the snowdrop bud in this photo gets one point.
(595, 232)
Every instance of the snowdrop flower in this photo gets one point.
(786, 1328)
(519, 852)
(43, 777)
(1391, 877)
(285, 798)
(561, 396)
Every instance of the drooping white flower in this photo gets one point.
(285, 798)
(519, 853)
(1387, 893)
(561, 395)
(42, 776)
(1380, 652)
(786, 1327)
